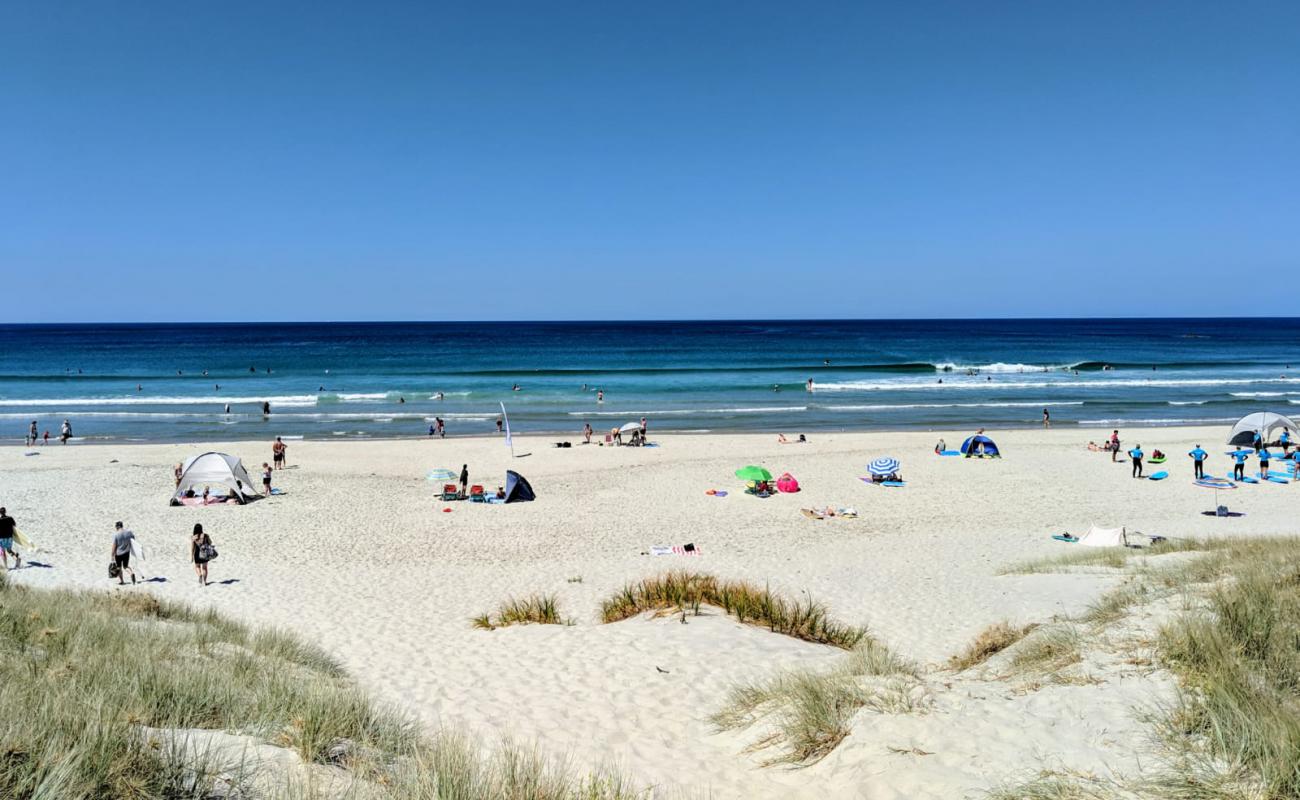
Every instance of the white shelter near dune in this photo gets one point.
(217, 471)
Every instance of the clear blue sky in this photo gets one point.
(526, 160)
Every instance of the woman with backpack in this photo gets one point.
(201, 552)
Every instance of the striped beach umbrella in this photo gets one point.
(883, 466)
(440, 475)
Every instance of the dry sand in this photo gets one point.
(359, 556)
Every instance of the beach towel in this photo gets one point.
(674, 550)
(812, 514)
(198, 501)
(278, 491)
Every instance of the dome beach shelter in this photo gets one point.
(1268, 423)
(980, 446)
(215, 470)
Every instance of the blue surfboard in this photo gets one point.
(1159, 476)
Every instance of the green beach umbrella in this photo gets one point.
(753, 473)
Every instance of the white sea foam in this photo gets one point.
(1207, 421)
(898, 406)
(282, 401)
(1073, 384)
(685, 412)
(1000, 366)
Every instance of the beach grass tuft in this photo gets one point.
(990, 641)
(535, 609)
(810, 711)
(1238, 662)
(687, 592)
(1048, 648)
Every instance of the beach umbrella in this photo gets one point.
(883, 466)
(629, 427)
(440, 475)
(753, 473)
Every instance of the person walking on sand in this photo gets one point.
(120, 553)
(1114, 446)
(464, 480)
(46, 439)
(32, 435)
(1264, 458)
(1198, 461)
(201, 552)
(1047, 419)
(278, 453)
(8, 530)
(266, 479)
(442, 428)
(1136, 455)
(66, 432)
(586, 433)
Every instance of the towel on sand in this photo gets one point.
(674, 550)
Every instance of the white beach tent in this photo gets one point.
(1104, 537)
(218, 471)
(1266, 422)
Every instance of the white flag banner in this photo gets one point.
(506, 420)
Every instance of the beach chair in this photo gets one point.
(476, 494)
(450, 492)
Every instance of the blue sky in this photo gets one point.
(523, 160)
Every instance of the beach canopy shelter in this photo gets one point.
(215, 471)
(1104, 537)
(979, 444)
(629, 427)
(1267, 423)
(518, 489)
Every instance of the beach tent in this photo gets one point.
(629, 427)
(517, 488)
(1266, 422)
(1104, 537)
(218, 471)
(981, 444)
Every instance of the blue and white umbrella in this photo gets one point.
(883, 466)
(440, 475)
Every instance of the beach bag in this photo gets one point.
(787, 484)
(207, 552)
(114, 570)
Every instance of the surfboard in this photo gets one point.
(892, 483)
(1248, 479)
(1159, 476)
(22, 541)
(137, 549)
(1063, 537)
(1276, 479)
(949, 452)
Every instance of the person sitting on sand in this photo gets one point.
(206, 493)
(1092, 446)
(617, 434)
(501, 492)
(940, 446)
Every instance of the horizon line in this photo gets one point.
(660, 320)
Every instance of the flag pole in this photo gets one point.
(509, 440)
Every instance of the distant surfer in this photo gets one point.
(810, 384)
(514, 388)
(1047, 419)
(227, 408)
(600, 395)
(266, 408)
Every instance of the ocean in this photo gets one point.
(173, 382)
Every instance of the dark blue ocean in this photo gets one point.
(335, 380)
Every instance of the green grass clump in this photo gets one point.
(685, 591)
(100, 692)
(1238, 661)
(1049, 648)
(993, 639)
(537, 609)
(811, 711)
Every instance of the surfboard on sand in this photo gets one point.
(1158, 476)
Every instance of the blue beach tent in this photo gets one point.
(980, 445)
(517, 488)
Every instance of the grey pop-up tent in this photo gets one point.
(1268, 423)
(215, 470)
(517, 488)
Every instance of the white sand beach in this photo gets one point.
(359, 556)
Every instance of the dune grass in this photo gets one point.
(685, 591)
(536, 609)
(1075, 558)
(1049, 648)
(87, 680)
(810, 712)
(990, 641)
(1238, 661)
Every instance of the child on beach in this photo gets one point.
(266, 479)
